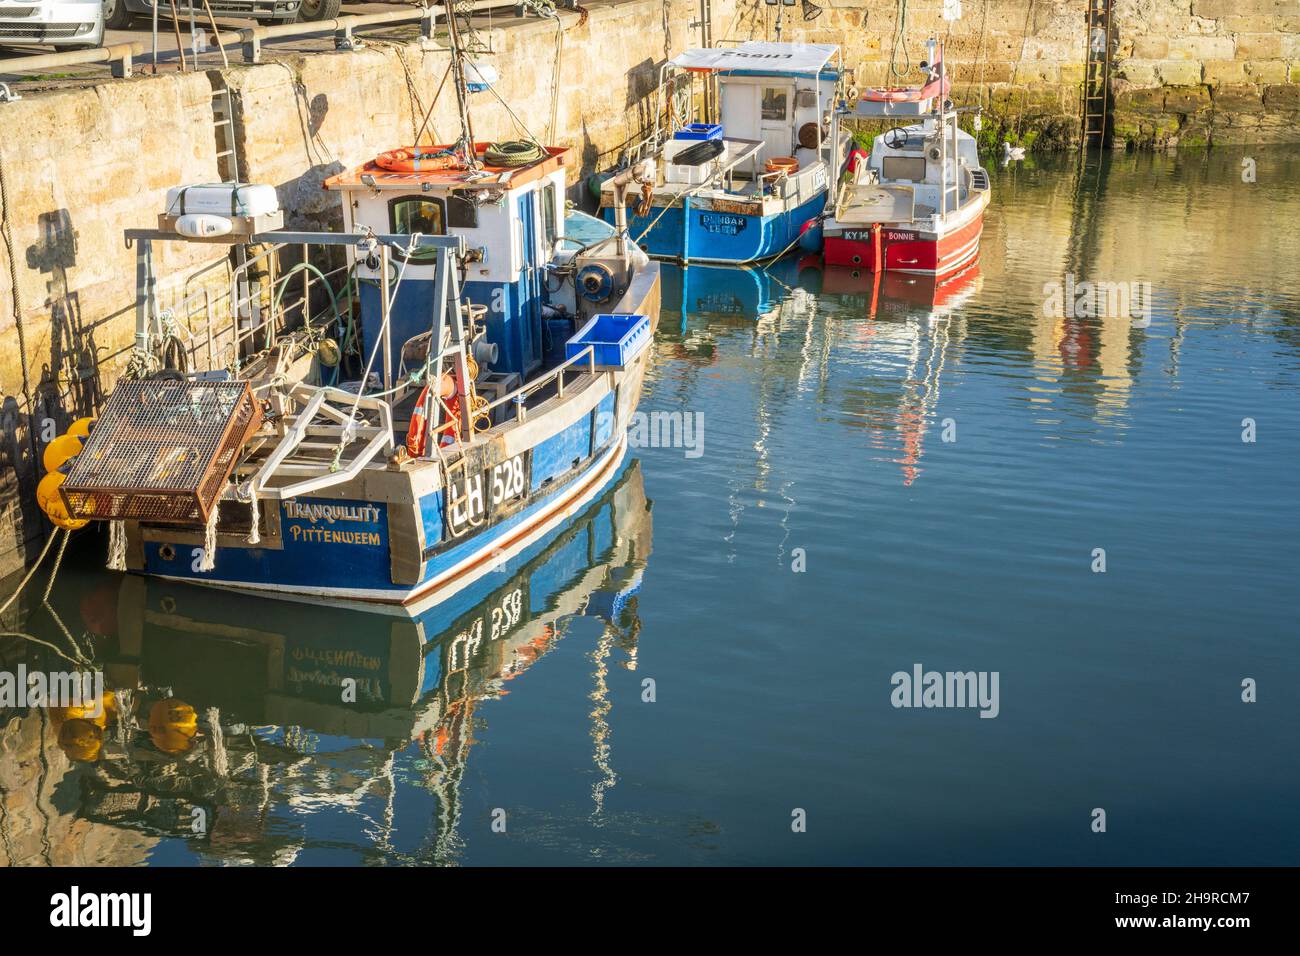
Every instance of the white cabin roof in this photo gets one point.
(760, 56)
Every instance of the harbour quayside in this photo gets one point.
(744, 186)
(501, 343)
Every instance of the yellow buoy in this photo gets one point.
(48, 489)
(81, 428)
(81, 740)
(56, 512)
(60, 450)
(175, 715)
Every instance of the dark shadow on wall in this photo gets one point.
(69, 387)
(21, 531)
(74, 358)
(307, 204)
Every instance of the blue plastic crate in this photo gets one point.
(616, 339)
(699, 131)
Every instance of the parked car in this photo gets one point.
(312, 10)
(66, 24)
(120, 14)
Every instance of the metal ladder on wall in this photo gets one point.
(1096, 77)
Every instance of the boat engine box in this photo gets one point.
(688, 175)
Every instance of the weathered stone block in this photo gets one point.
(1187, 100)
(1072, 74)
(1282, 97)
(1140, 102)
(1238, 99)
(1202, 47)
(1137, 72)
(1220, 72)
(1267, 71)
(1259, 46)
(1178, 73)
(1150, 47)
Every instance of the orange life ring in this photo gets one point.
(418, 159)
(415, 432)
(782, 164)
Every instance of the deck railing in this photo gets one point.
(520, 395)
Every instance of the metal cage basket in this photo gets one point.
(162, 451)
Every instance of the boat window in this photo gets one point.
(583, 230)
(903, 167)
(548, 214)
(774, 103)
(411, 214)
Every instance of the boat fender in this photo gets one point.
(810, 236)
(202, 225)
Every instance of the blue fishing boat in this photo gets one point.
(423, 681)
(382, 414)
(742, 186)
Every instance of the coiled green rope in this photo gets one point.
(515, 152)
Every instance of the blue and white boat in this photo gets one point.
(742, 184)
(500, 348)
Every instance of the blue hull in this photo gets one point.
(345, 552)
(689, 234)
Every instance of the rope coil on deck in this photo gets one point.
(514, 152)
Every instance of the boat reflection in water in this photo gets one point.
(245, 721)
(896, 331)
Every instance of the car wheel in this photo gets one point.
(116, 15)
(309, 11)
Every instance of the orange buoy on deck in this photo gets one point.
(782, 164)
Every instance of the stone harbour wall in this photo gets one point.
(1200, 72)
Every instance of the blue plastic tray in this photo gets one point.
(616, 339)
(699, 131)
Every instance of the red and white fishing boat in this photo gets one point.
(916, 203)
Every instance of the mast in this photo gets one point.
(458, 78)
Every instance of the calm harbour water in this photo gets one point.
(824, 401)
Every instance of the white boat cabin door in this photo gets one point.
(760, 108)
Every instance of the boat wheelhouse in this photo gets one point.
(500, 348)
(740, 186)
(916, 203)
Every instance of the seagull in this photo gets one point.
(1010, 152)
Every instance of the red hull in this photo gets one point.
(906, 250)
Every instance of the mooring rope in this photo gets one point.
(208, 559)
(900, 39)
(116, 545)
(80, 659)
